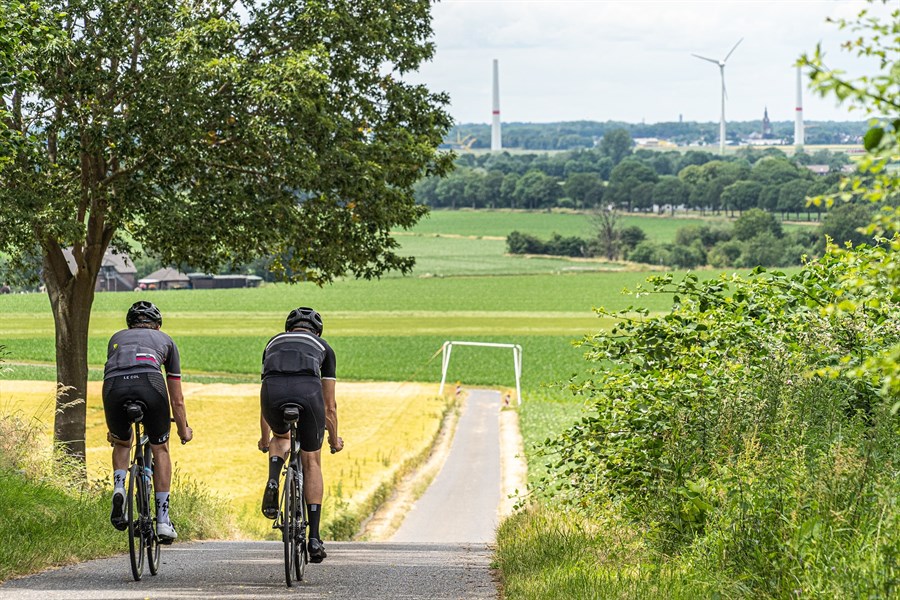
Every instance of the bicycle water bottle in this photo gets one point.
(147, 474)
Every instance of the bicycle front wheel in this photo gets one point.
(135, 542)
(289, 531)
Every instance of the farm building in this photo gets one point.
(165, 279)
(205, 281)
(117, 272)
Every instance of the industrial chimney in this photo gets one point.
(798, 116)
(496, 144)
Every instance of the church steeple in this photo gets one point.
(766, 124)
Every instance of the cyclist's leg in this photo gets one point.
(120, 437)
(311, 431)
(274, 394)
(158, 426)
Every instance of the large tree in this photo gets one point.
(210, 131)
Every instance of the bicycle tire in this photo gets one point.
(135, 541)
(300, 550)
(149, 529)
(288, 534)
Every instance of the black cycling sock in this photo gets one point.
(314, 511)
(275, 465)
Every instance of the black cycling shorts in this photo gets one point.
(148, 389)
(304, 391)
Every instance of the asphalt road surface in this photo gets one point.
(441, 551)
(461, 503)
(250, 570)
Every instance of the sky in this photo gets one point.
(630, 60)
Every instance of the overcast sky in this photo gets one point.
(630, 60)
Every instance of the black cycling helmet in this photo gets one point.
(304, 316)
(143, 312)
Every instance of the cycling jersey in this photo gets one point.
(298, 353)
(294, 364)
(133, 373)
(141, 350)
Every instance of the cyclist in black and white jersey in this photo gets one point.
(133, 373)
(298, 367)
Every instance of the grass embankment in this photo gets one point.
(765, 483)
(50, 517)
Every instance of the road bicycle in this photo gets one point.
(142, 539)
(292, 518)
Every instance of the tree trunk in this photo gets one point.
(71, 297)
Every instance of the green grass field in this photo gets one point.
(498, 223)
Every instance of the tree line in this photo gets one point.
(616, 175)
(585, 134)
(756, 238)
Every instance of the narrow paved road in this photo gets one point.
(440, 552)
(461, 503)
(251, 570)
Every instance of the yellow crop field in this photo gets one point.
(383, 426)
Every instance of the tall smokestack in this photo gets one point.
(798, 115)
(496, 144)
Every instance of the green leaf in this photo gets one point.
(873, 138)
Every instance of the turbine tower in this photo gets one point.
(721, 64)
(496, 143)
(799, 135)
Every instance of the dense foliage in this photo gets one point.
(751, 435)
(615, 174)
(209, 132)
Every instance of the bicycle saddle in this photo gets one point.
(291, 413)
(134, 411)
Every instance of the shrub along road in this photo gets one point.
(421, 567)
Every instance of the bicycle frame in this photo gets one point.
(291, 518)
(142, 538)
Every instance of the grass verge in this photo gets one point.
(49, 518)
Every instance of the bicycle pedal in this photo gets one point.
(166, 541)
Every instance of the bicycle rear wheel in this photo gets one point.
(149, 529)
(288, 533)
(135, 543)
(301, 556)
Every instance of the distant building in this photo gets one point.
(766, 125)
(165, 279)
(652, 142)
(205, 281)
(819, 169)
(117, 272)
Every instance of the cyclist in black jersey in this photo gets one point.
(298, 367)
(133, 373)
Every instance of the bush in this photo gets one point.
(725, 254)
(734, 431)
(523, 243)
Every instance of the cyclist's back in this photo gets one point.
(298, 367)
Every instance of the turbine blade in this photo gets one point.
(715, 62)
(733, 49)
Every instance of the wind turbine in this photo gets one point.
(721, 64)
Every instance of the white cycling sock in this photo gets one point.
(162, 507)
(119, 480)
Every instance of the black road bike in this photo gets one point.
(142, 539)
(292, 518)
